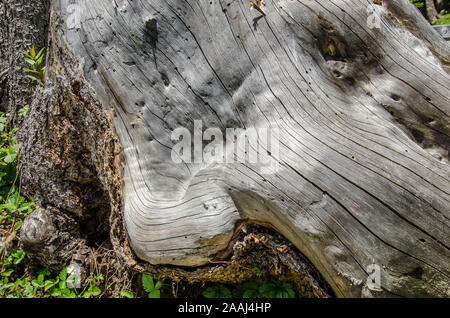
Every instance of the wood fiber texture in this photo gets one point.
(362, 172)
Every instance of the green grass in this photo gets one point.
(442, 21)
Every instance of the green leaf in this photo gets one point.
(40, 55)
(63, 274)
(289, 291)
(37, 283)
(19, 256)
(154, 294)
(27, 55)
(71, 295)
(33, 78)
(247, 290)
(96, 291)
(251, 293)
(8, 273)
(147, 282)
(219, 291)
(23, 112)
(274, 289)
(158, 285)
(50, 284)
(56, 292)
(29, 291)
(18, 225)
(30, 61)
(268, 290)
(33, 71)
(127, 294)
(444, 20)
(258, 271)
(10, 158)
(87, 294)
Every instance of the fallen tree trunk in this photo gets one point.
(354, 96)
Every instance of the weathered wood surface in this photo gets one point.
(443, 30)
(363, 115)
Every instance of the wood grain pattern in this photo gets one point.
(363, 116)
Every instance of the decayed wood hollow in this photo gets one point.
(362, 113)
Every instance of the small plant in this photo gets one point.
(8, 151)
(14, 208)
(444, 16)
(247, 290)
(42, 284)
(14, 258)
(150, 287)
(219, 291)
(7, 270)
(420, 4)
(270, 289)
(36, 72)
(57, 287)
(258, 271)
(444, 20)
(127, 294)
(93, 290)
(23, 112)
(274, 289)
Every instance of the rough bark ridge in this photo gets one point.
(54, 238)
(23, 23)
(67, 144)
(363, 115)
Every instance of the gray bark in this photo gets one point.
(23, 23)
(363, 113)
(53, 238)
(432, 13)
